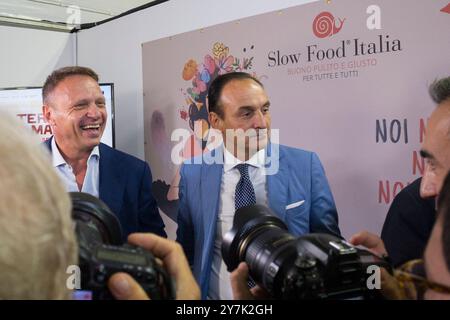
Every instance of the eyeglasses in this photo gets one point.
(410, 281)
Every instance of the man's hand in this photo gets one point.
(369, 240)
(390, 287)
(124, 287)
(239, 278)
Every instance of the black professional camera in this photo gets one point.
(101, 253)
(313, 266)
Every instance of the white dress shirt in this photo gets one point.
(64, 170)
(219, 284)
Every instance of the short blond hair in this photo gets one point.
(37, 237)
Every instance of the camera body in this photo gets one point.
(107, 260)
(101, 253)
(312, 266)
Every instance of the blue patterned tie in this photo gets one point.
(244, 194)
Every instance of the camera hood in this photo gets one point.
(247, 220)
(90, 210)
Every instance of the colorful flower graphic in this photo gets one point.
(189, 70)
(219, 50)
(201, 75)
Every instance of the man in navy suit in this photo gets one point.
(246, 169)
(74, 106)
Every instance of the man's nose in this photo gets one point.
(93, 111)
(428, 185)
(259, 121)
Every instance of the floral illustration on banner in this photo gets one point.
(201, 74)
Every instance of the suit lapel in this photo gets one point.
(277, 184)
(48, 143)
(111, 184)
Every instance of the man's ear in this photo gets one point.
(215, 121)
(48, 114)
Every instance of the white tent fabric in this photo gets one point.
(62, 14)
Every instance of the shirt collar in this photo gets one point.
(230, 161)
(58, 159)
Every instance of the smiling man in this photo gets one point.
(74, 106)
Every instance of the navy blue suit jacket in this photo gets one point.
(298, 193)
(125, 187)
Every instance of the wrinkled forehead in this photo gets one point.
(73, 88)
(79, 84)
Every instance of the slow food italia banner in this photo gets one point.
(347, 79)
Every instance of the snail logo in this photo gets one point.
(446, 9)
(324, 25)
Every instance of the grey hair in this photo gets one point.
(37, 238)
(440, 90)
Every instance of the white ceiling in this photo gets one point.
(62, 14)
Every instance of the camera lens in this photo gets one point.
(95, 223)
(262, 241)
(312, 266)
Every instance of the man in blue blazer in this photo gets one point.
(290, 181)
(74, 106)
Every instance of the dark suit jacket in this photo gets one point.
(125, 186)
(408, 225)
